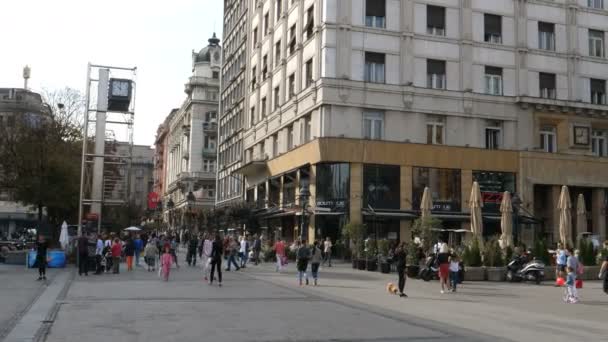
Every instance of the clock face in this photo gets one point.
(581, 135)
(120, 88)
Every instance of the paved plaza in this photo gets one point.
(257, 304)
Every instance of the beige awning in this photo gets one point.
(475, 204)
(565, 217)
(506, 220)
(426, 205)
(581, 215)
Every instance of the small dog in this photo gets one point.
(391, 288)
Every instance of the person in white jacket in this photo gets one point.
(206, 257)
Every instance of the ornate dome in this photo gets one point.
(205, 54)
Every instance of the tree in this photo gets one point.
(40, 157)
(424, 228)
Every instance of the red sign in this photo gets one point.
(491, 197)
(92, 216)
(153, 199)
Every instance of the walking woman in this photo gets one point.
(443, 259)
(400, 257)
(216, 259)
(41, 249)
(129, 253)
(315, 261)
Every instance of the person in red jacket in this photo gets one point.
(116, 251)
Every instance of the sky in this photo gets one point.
(57, 38)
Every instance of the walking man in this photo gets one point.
(327, 245)
(302, 258)
(139, 247)
(83, 255)
(191, 254)
(257, 248)
(233, 248)
(279, 249)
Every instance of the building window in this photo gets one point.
(547, 85)
(381, 185)
(374, 67)
(307, 128)
(279, 8)
(266, 23)
(289, 137)
(492, 28)
(255, 36)
(292, 39)
(435, 20)
(264, 67)
(444, 185)
(253, 77)
(596, 43)
(215, 75)
(373, 125)
(598, 91)
(548, 139)
(435, 72)
(208, 165)
(208, 143)
(493, 80)
(252, 116)
(308, 71)
(291, 86)
(275, 145)
(277, 98)
(375, 13)
(493, 137)
(546, 36)
(310, 23)
(277, 53)
(599, 4)
(598, 143)
(434, 132)
(263, 109)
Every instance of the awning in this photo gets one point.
(255, 166)
(390, 213)
(329, 213)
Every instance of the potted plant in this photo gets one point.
(493, 260)
(383, 248)
(472, 261)
(371, 255)
(353, 233)
(413, 265)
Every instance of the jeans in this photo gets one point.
(454, 280)
(191, 257)
(83, 260)
(216, 264)
(302, 266)
(232, 261)
(314, 270)
(137, 258)
(41, 260)
(327, 258)
(243, 257)
(279, 263)
(98, 269)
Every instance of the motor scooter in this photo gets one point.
(521, 268)
(430, 269)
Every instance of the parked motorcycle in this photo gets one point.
(521, 268)
(430, 269)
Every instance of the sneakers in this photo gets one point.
(402, 295)
(315, 282)
(220, 284)
(43, 277)
(39, 278)
(442, 292)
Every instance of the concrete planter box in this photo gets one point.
(475, 273)
(550, 273)
(16, 258)
(590, 273)
(496, 273)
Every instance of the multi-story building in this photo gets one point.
(191, 147)
(233, 107)
(17, 102)
(160, 155)
(367, 102)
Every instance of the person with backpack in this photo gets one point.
(302, 257)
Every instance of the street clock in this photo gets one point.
(119, 96)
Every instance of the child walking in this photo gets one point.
(454, 269)
(570, 296)
(165, 263)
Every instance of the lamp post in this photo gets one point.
(170, 206)
(191, 201)
(304, 196)
(516, 203)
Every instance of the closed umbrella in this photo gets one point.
(565, 217)
(475, 204)
(64, 238)
(506, 220)
(581, 215)
(427, 204)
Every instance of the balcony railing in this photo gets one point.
(210, 127)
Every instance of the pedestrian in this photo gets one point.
(400, 257)
(174, 244)
(571, 296)
(233, 248)
(107, 251)
(138, 245)
(191, 253)
(150, 255)
(327, 246)
(454, 271)
(83, 255)
(129, 253)
(41, 250)
(116, 252)
(279, 249)
(216, 259)
(443, 259)
(302, 259)
(166, 260)
(604, 269)
(257, 248)
(243, 251)
(560, 261)
(315, 261)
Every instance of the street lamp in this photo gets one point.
(304, 196)
(516, 203)
(191, 201)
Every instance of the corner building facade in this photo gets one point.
(367, 102)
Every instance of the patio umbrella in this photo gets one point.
(506, 220)
(64, 239)
(426, 205)
(475, 204)
(565, 217)
(132, 229)
(581, 215)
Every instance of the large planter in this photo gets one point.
(385, 267)
(475, 273)
(372, 265)
(496, 273)
(361, 264)
(16, 258)
(550, 273)
(412, 271)
(590, 273)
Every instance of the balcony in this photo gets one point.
(210, 127)
(209, 152)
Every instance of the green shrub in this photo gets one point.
(354, 232)
(587, 256)
(372, 250)
(492, 255)
(540, 251)
(383, 246)
(472, 254)
(423, 229)
(508, 254)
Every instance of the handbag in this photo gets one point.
(578, 283)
